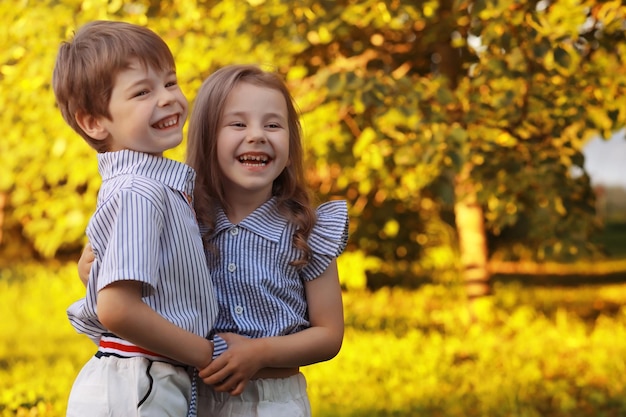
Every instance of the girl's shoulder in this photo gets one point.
(333, 209)
(329, 236)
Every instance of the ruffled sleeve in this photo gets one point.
(328, 238)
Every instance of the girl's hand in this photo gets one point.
(84, 263)
(231, 371)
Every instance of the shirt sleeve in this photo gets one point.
(82, 324)
(133, 249)
(219, 346)
(328, 238)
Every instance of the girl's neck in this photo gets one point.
(240, 206)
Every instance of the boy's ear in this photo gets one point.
(91, 125)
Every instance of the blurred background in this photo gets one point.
(480, 146)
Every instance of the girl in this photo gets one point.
(271, 254)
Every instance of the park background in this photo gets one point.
(485, 270)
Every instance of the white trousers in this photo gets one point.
(281, 397)
(129, 387)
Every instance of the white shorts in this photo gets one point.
(129, 387)
(281, 397)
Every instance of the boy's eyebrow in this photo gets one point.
(137, 83)
(145, 80)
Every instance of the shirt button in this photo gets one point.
(232, 267)
(239, 310)
(234, 231)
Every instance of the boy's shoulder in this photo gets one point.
(144, 174)
(134, 186)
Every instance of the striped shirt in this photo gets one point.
(259, 293)
(144, 229)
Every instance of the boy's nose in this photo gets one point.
(166, 97)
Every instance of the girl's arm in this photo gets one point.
(320, 342)
(84, 263)
(122, 311)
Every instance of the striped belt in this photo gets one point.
(111, 345)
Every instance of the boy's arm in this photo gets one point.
(322, 341)
(122, 311)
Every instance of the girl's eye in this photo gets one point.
(171, 84)
(237, 124)
(273, 126)
(141, 93)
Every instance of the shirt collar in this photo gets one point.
(174, 174)
(266, 221)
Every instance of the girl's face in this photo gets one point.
(148, 111)
(252, 142)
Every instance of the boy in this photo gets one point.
(150, 301)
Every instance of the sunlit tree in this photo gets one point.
(452, 127)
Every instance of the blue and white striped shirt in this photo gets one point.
(259, 293)
(144, 229)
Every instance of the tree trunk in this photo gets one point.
(3, 199)
(470, 226)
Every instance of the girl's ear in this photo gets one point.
(91, 125)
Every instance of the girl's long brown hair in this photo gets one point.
(289, 188)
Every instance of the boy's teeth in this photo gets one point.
(167, 123)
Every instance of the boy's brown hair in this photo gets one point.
(87, 66)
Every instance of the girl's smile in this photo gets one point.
(253, 140)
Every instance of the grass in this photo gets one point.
(547, 345)
(528, 350)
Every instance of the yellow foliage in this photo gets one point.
(405, 353)
(42, 351)
(353, 267)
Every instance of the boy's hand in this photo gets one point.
(231, 371)
(84, 263)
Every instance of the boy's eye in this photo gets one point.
(171, 84)
(141, 93)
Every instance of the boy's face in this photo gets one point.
(148, 111)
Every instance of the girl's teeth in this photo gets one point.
(253, 160)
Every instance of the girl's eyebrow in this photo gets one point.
(265, 115)
(276, 115)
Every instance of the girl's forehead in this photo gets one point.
(245, 92)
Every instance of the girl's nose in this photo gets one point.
(256, 136)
